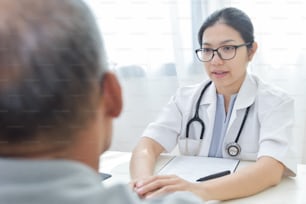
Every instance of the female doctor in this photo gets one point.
(234, 114)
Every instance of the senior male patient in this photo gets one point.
(57, 102)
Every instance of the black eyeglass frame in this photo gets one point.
(216, 50)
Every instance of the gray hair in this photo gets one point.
(51, 61)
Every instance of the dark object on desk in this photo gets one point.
(213, 176)
(104, 176)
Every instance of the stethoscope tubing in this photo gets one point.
(242, 124)
(196, 118)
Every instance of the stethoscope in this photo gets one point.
(233, 149)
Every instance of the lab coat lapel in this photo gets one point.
(245, 98)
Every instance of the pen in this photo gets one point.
(213, 176)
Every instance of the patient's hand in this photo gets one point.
(161, 184)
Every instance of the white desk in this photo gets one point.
(117, 164)
(289, 191)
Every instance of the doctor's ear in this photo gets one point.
(252, 50)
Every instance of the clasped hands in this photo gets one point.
(159, 185)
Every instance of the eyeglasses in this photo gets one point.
(225, 52)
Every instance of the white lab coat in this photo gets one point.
(267, 130)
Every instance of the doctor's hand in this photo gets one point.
(162, 184)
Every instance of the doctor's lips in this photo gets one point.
(219, 73)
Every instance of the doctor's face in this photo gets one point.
(227, 75)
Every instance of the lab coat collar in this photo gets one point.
(210, 94)
(246, 95)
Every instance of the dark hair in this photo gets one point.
(232, 17)
(50, 65)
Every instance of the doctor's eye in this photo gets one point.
(207, 50)
(228, 48)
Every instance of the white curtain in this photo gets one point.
(151, 45)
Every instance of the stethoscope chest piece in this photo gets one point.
(233, 149)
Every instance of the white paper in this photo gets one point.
(192, 168)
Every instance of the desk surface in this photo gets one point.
(289, 191)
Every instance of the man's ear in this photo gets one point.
(111, 94)
(252, 50)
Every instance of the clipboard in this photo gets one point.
(192, 168)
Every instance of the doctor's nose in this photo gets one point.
(216, 59)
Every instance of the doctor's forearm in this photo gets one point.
(263, 174)
(144, 158)
(141, 165)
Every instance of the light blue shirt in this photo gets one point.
(221, 123)
(25, 181)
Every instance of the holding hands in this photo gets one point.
(159, 185)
